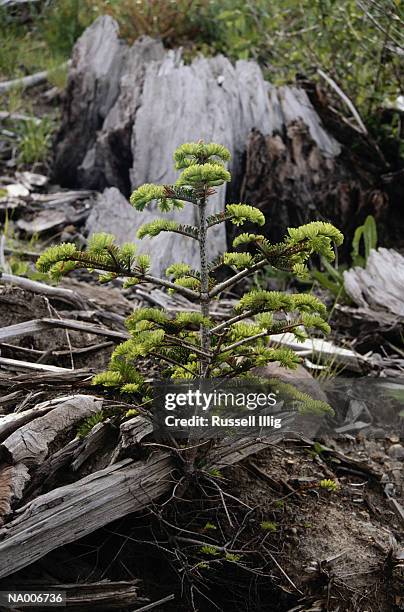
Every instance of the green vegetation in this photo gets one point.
(329, 485)
(269, 526)
(192, 344)
(332, 278)
(34, 140)
(355, 43)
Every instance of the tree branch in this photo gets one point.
(237, 277)
(239, 317)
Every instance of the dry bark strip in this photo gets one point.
(13, 479)
(36, 326)
(30, 443)
(17, 365)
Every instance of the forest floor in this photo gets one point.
(288, 544)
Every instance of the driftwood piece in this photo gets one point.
(47, 473)
(115, 120)
(44, 221)
(324, 350)
(70, 512)
(132, 433)
(29, 328)
(30, 443)
(103, 595)
(5, 115)
(24, 82)
(97, 330)
(54, 380)
(379, 287)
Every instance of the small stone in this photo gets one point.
(396, 451)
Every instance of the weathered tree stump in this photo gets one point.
(128, 108)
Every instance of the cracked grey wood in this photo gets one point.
(30, 443)
(70, 512)
(379, 286)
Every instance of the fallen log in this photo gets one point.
(72, 511)
(15, 420)
(103, 595)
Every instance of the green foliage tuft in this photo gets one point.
(198, 176)
(239, 214)
(191, 153)
(238, 260)
(54, 255)
(145, 194)
(329, 485)
(243, 239)
(155, 227)
(85, 428)
(269, 526)
(177, 270)
(260, 300)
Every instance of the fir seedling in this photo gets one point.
(193, 344)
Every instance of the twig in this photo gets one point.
(345, 99)
(283, 572)
(155, 603)
(28, 81)
(4, 115)
(234, 279)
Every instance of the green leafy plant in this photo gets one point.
(368, 234)
(209, 550)
(269, 526)
(88, 424)
(332, 278)
(329, 485)
(193, 344)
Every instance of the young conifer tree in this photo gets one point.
(193, 344)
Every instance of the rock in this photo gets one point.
(396, 452)
(128, 108)
(300, 378)
(307, 424)
(16, 190)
